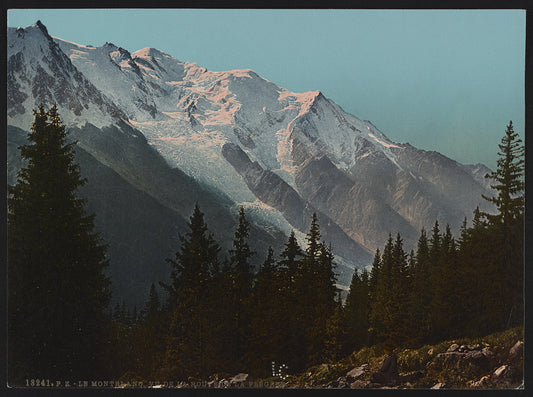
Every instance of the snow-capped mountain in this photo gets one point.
(233, 138)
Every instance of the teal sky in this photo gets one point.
(444, 80)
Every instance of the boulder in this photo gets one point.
(517, 351)
(453, 348)
(487, 352)
(500, 371)
(438, 386)
(483, 382)
(239, 378)
(343, 385)
(504, 376)
(355, 373)
(359, 384)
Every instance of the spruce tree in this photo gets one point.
(356, 311)
(389, 310)
(399, 329)
(473, 256)
(421, 293)
(291, 258)
(380, 304)
(152, 305)
(324, 292)
(374, 273)
(434, 245)
(290, 267)
(190, 333)
(269, 336)
(241, 253)
(58, 292)
(196, 260)
(445, 305)
(242, 287)
(507, 227)
(509, 182)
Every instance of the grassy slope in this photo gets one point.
(410, 360)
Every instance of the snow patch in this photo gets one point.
(387, 145)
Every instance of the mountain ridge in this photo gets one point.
(120, 105)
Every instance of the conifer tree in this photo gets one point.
(380, 315)
(241, 253)
(323, 287)
(196, 259)
(152, 305)
(313, 240)
(374, 273)
(190, 334)
(507, 226)
(445, 303)
(399, 329)
(434, 245)
(478, 222)
(291, 258)
(58, 292)
(389, 309)
(242, 287)
(269, 339)
(356, 311)
(509, 182)
(290, 267)
(473, 256)
(421, 293)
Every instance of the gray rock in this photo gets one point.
(453, 348)
(359, 384)
(475, 355)
(517, 351)
(487, 352)
(500, 371)
(239, 378)
(343, 385)
(356, 373)
(483, 382)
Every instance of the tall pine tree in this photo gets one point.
(190, 339)
(57, 288)
(507, 227)
(356, 311)
(242, 272)
(421, 293)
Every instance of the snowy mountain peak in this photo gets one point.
(150, 53)
(39, 72)
(234, 131)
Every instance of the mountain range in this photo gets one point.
(156, 135)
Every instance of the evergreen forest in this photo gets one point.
(240, 310)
